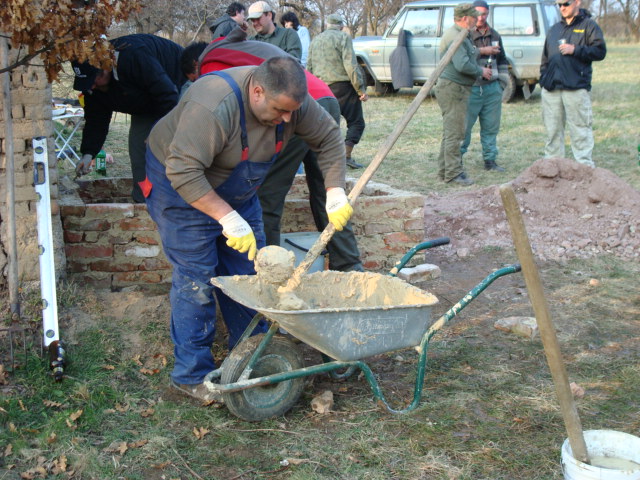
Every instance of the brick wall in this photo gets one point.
(115, 245)
(31, 117)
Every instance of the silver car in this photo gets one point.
(523, 25)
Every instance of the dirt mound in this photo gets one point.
(570, 211)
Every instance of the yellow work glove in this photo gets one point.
(239, 234)
(338, 208)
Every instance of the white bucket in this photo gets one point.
(603, 443)
(300, 243)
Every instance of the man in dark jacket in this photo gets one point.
(144, 82)
(234, 16)
(565, 77)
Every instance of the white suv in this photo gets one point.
(523, 25)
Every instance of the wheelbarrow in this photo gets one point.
(351, 316)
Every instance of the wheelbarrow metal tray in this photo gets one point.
(351, 315)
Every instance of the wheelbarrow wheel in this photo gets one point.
(262, 402)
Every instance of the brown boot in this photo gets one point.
(351, 163)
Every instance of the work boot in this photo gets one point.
(198, 391)
(350, 162)
(492, 165)
(462, 179)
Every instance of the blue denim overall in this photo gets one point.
(194, 244)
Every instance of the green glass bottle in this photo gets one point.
(101, 163)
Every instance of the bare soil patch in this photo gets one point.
(570, 211)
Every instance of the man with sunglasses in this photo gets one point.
(565, 77)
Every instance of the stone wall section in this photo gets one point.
(116, 245)
(31, 117)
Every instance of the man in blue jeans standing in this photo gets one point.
(205, 161)
(485, 102)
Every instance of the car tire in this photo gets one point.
(509, 92)
(383, 88)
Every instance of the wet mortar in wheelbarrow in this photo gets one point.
(349, 316)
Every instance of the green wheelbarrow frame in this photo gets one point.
(332, 367)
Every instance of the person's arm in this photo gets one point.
(292, 43)
(96, 124)
(464, 60)
(351, 66)
(595, 48)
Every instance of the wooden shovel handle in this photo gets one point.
(384, 149)
(545, 325)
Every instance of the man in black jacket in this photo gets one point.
(144, 82)
(565, 77)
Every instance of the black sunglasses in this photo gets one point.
(565, 4)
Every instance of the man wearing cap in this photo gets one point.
(205, 161)
(263, 19)
(565, 77)
(333, 60)
(144, 82)
(485, 102)
(452, 92)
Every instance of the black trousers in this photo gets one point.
(350, 109)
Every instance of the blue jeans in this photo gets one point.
(194, 244)
(485, 103)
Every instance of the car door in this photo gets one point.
(421, 26)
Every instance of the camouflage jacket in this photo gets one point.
(331, 57)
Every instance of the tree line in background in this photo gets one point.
(186, 20)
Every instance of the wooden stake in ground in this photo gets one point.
(547, 330)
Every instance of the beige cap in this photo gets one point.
(257, 9)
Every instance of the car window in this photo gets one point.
(395, 30)
(512, 20)
(447, 19)
(422, 22)
(552, 13)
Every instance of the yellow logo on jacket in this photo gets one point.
(579, 31)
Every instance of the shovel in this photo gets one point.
(384, 149)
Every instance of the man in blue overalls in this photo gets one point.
(205, 161)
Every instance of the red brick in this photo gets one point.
(72, 237)
(75, 223)
(89, 251)
(136, 223)
(122, 239)
(76, 267)
(112, 266)
(147, 240)
(154, 264)
(371, 265)
(414, 224)
(73, 210)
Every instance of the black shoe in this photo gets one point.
(493, 166)
(353, 164)
(462, 179)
